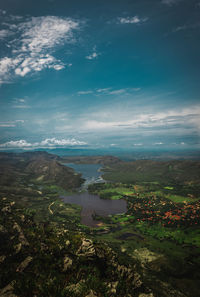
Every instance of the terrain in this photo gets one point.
(103, 160)
(151, 250)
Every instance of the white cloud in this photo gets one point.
(48, 142)
(39, 38)
(109, 91)
(6, 65)
(186, 27)
(2, 12)
(109, 120)
(21, 100)
(21, 106)
(105, 90)
(57, 67)
(93, 56)
(4, 33)
(11, 123)
(16, 144)
(61, 142)
(19, 121)
(117, 92)
(45, 33)
(85, 92)
(131, 20)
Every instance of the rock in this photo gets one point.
(137, 280)
(2, 229)
(2, 258)
(24, 264)
(22, 217)
(6, 209)
(44, 247)
(76, 288)
(91, 294)
(146, 295)
(86, 249)
(8, 290)
(67, 263)
(113, 287)
(168, 291)
(22, 238)
(67, 243)
(123, 250)
(145, 255)
(18, 248)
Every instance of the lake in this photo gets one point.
(92, 204)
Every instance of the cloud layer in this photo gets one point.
(38, 38)
(48, 142)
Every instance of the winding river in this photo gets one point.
(92, 204)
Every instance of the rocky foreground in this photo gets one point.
(40, 260)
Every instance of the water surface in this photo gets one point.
(90, 172)
(92, 204)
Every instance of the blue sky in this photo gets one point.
(117, 73)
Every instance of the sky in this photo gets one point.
(100, 73)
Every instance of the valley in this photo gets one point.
(128, 253)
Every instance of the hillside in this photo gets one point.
(103, 160)
(183, 172)
(39, 166)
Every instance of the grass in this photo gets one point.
(181, 199)
(169, 188)
(115, 192)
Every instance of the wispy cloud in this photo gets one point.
(104, 90)
(7, 125)
(128, 120)
(84, 92)
(20, 103)
(22, 106)
(11, 124)
(117, 92)
(21, 100)
(39, 37)
(4, 33)
(170, 2)
(186, 27)
(131, 20)
(93, 55)
(48, 142)
(2, 12)
(109, 91)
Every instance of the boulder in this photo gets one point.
(24, 264)
(86, 249)
(91, 294)
(67, 263)
(8, 290)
